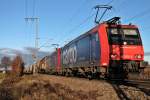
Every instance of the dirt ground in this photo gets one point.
(48, 87)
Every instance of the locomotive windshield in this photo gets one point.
(118, 36)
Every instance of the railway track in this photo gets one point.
(140, 82)
(122, 87)
(142, 85)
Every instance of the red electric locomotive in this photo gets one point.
(110, 50)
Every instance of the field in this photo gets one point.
(2, 76)
(146, 73)
(48, 87)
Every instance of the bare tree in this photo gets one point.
(5, 62)
(18, 65)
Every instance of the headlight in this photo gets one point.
(113, 56)
(138, 56)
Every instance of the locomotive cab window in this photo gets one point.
(114, 36)
(120, 35)
(131, 34)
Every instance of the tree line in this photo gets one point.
(15, 66)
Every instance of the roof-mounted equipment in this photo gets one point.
(106, 7)
(114, 20)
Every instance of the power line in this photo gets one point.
(110, 2)
(79, 25)
(75, 14)
(77, 11)
(26, 8)
(47, 42)
(139, 15)
(118, 4)
(28, 30)
(88, 18)
(84, 21)
(34, 6)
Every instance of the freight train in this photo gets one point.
(110, 50)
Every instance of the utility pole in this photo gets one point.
(36, 20)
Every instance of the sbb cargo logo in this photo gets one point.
(70, 55)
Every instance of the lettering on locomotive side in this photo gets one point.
(70, 55)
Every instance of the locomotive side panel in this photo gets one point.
(95, 49)
(84, 52)
(77, 53)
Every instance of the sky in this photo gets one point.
(62, 20)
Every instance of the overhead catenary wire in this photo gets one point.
(34, 7)
(83, 22)
(110, 2)
(77, 11)
(141, 14)
(27, 26)
(113, 3)
(121, 4)
(79, 25)
(89, 17)
(70, 20)
(116, 8)
(26, 8)
(43, 45)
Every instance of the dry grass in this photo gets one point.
(2, 76)
(45, 87)
(146, 73)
